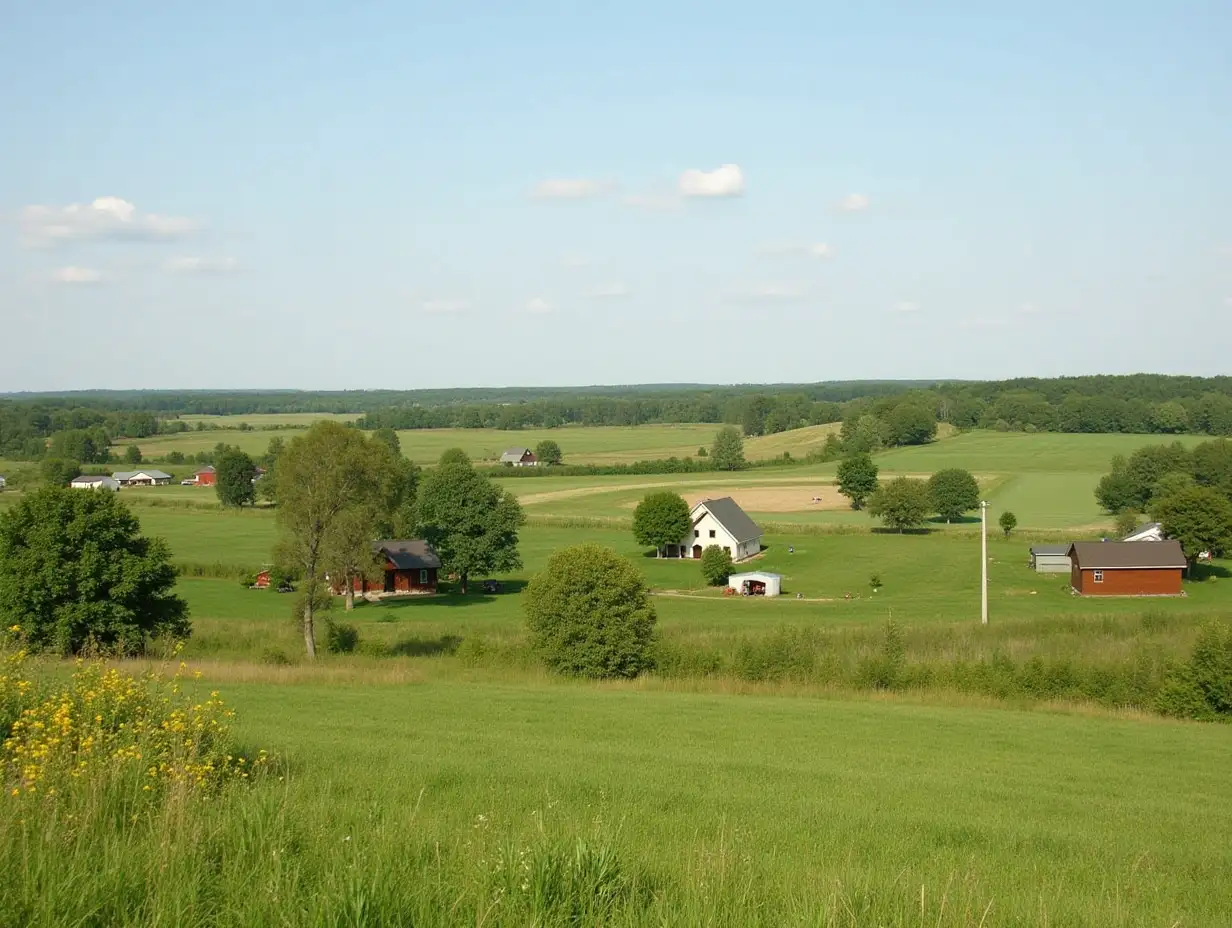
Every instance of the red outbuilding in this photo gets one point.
(206, 476)
(411, 566)
(1127, 568)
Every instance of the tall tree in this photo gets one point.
(132, 454)
(470, 521)
(389, 438)
(323, 479)
(58, 472)
(727, 452)
(1008, 522)
(547, 452)
(857, 478)
(348, 555)
(661, 519)
(75, 569)
(953, 492)
(911, 424)
(1199, 518)
(235, 473)
(902, 503)
(454, 456)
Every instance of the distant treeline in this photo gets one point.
(1139, 403)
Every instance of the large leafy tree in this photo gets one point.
(547, 452)
(389, 438)
(132, 454)
(235, 473)
(326, 481)
(911, 424)
(76, 570)
(661, 519)
(727, 452)
(953, 492)
(58, 472)
(589, 614)
(857, 478)
(1200, 518)
(470, 521)
(716, 565)
(902, 503)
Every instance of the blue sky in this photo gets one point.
(421, 195)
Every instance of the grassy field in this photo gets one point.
(259, 419)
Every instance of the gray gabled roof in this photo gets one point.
(1050, 549)
(1128, 555)
(1144, 527)
(130, 474)
(729, 515)
(408, 554)
(513, 455)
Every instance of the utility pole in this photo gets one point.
(983, 562)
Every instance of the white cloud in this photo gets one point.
(569, 188)
(186, 264)
(445, 306)
(818, 250)
(907, 306)
(107, 218)
(611, 292)
(538, 305)
(854, 203)
(725, 181)
(77, 275)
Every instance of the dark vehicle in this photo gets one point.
(492, 586)
(285, 587)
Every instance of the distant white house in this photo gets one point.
(720, 522)
(1149, 531)
(94, 482)
(3, 482)
(141, 478)
(519, 457)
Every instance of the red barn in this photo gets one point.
(206, 476)
(1127, 568)
(411, 566)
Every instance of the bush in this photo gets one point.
(716, 565)
(275, 657)
(589, 614)
(341, 638)
(1202, 688)
(887, 670)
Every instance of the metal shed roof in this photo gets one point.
(1050, 549)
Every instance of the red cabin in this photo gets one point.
(1127, 568)
(206, 476)
(411, 566)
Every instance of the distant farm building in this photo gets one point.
(519, 457)
(1127, 568)
(94, 482)
(1050, 559)
(3, 482)
(1149, 531)
(756, 583)
(141, 478)
(720, 522)
(205, 477)
(410, 566)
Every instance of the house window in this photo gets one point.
(696, 533)
(712, 533)
(1097, 576)
(423, 577)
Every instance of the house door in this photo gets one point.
(389, 581)
(697, 551)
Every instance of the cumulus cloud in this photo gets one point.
(569, 188)
(725, 181)
(192, 264)
(445, 306)
(538, 305)
(814, 250)
(611, 292)
(77, 275)
(907, 306)
(107, 218)
(854, 203)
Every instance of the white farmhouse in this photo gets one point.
(720, 522)
(141, 478)
(1149, 531)
(94, 482)
(2, 482)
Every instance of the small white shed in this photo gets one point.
(756, 583)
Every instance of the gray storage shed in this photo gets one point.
(1050, 559)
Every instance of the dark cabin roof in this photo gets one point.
(208, 469)
(1050, 549)
(1128, 555)
(729, 515)
(408, 554)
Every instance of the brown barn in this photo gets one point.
(1127, 568)
(410, 565)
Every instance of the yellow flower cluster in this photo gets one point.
(105, 724)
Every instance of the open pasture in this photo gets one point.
(260, 419)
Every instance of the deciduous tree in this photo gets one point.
(716, 565)
(132, 454)
(661, 519)
(75, 569)
(857, 478)
(589, 614)
(953, 492)
(1199, 518)
(727, 452)
(454, 456)
(234, 475)
(472, 522)
(547, 452)
(58, 472)
(902, 503)
(1008, 522)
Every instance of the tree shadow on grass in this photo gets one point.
(961, 520)
(1200, 572)
(883, 530)
(425, 647)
